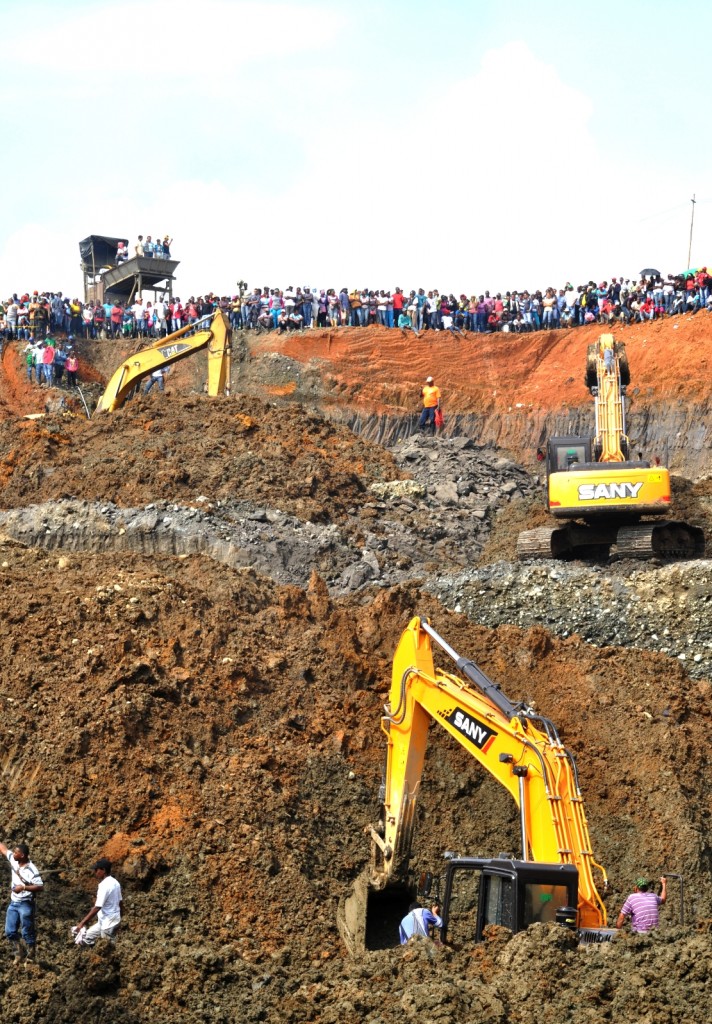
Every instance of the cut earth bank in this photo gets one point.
(202, 706)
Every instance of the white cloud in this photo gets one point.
(162, 41)
(501, 181)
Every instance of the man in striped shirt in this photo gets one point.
(643, 906)
(25, 885)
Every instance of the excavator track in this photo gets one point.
(570, 541)
(669, 539)
(539, 543)
(666, 540)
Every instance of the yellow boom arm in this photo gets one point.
(520, 749)
(610, 415)
(215, 336)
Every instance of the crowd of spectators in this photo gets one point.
(621, 300)
(51, 363)
(33, 317)
(159, 250)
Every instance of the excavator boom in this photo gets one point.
(214, 335)
(519, 748)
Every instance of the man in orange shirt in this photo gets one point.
(431, 403)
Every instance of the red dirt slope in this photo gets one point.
(379, 368)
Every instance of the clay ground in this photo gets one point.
(216, 733)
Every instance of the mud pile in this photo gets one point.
(352, 511)
(214, 734)
(665, 608)
(200, 603)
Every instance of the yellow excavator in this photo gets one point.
(553, 879)
(594, 483)
(212, 333)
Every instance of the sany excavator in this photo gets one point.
(554, 879)
(594, 480)
(214, 334)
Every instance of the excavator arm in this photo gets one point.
(520, 749)
(215, 336)
(608, 393)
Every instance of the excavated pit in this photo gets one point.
(200, 699)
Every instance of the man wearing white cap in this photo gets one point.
(431, 403)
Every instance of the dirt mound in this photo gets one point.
(187, 447)
(493, 372)
(214, 729)
(512, 391)
(214, 734)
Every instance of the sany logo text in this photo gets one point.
(597, 492)
(479, 734)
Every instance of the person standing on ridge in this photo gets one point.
(431, 403)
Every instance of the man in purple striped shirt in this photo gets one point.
(643, 906)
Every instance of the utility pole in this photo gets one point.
(692, 221)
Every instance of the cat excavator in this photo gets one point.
(211, 332)
(551, 881)
(604, 493)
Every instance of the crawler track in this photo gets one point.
(667, 540)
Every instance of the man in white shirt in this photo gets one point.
(26, 883)
(107, 908)
(139, 316)
(157, 377)
(160, 310)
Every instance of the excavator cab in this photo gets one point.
(480, 892)
(566, 453)
(472, 893)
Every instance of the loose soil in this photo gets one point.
(215, 732)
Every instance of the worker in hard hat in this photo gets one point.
(431, 404)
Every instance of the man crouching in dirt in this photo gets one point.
(419, 921)
(107, 908)
(26, 883)
(643, 906)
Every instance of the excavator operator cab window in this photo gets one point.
(570, 458)
(542, 901)
(464, 906)
(498, 901)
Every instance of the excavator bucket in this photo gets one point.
(369, 918)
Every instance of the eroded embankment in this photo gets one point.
(441, 514)
(512, 391)
(679, 436)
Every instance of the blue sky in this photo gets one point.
(454, 145)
